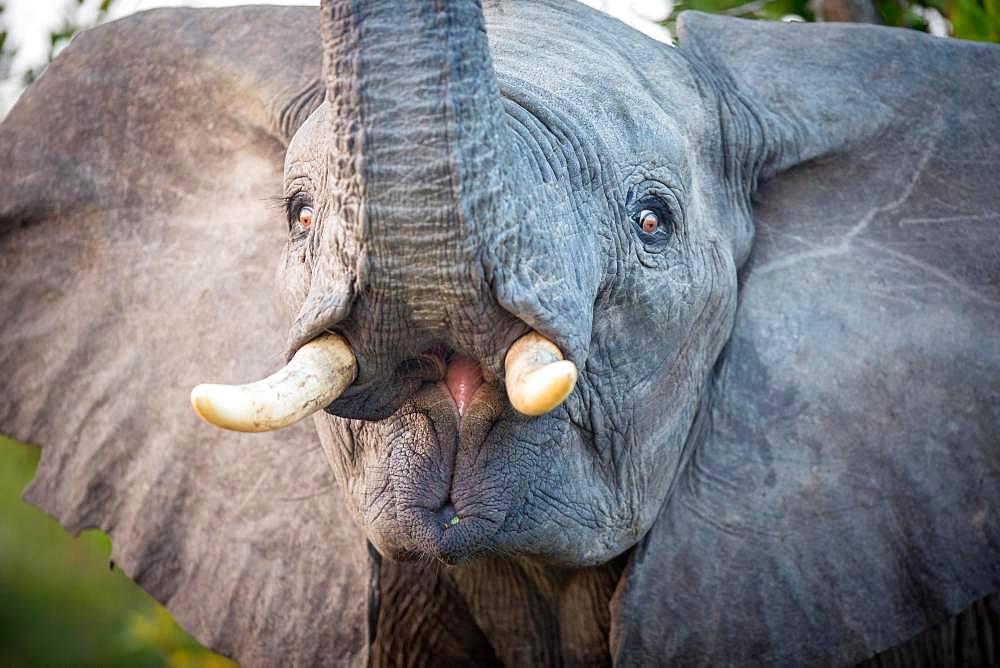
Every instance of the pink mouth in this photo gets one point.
(463, 377)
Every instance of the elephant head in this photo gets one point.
(437, 250)
(712, 319)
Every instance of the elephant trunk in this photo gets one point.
(418, 151)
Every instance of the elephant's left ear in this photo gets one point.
(139, 239)
(842, 492)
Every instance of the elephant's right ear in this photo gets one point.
(843, 492)
(138, 248)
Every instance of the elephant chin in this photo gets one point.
(427, 503)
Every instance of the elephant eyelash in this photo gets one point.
(292, 204)
(281, 203)
(289, 206)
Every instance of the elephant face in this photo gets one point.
(611, 209)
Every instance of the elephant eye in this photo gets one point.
(648, 221)
(299, 211)
(653, 222)
(305, 216)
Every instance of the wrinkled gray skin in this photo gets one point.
(783, 444)
(513, 212)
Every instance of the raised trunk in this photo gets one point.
(418, 153)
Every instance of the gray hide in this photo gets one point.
(138, 250)
(852, 437)
(822, 489)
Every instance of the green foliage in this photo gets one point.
(970, 19)
(5, 52)
(975, 19)
(61, 604)
(900, 14)
(756, 9)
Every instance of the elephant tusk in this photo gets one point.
(316, 375)
(538, 378)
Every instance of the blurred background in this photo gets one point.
(62, 603)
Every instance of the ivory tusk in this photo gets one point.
(538, 378)
(316, 375)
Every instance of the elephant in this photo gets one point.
(615, 352)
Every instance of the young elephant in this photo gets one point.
(767, 259)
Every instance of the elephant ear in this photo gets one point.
(138, 248)
(843, 490)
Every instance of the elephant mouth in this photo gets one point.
(452, 534)
(446, 505)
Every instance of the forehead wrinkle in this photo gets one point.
(622, 119)
(301, 164)
(308, 146)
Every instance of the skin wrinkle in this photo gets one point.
(573, 152)
(521, 122)
(540, 279)
(293, 112)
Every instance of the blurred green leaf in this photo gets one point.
(60, 604)
(970, 19)
(975, 19)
